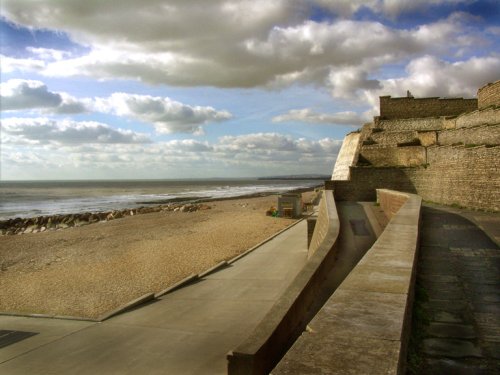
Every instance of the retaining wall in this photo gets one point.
(347, 156)
(488, 116)
(364, 327)
(394, 156)
(430, 123)
(489, 95)
(260, 352)
(392, 138)
(400, 108)
(455, 175)
(321, 227)
(486, 134)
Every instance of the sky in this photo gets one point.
(157, 89)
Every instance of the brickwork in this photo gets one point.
(489, 135)
(364, 181)
(402, 108)
(410, 124)
(469, 177)
(389, 138)
(489, 95)
(441, 153)
(490, 116)
(394, 156)
(427, 138)
(460, 175)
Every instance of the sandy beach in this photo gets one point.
(86, 271)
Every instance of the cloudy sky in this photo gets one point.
(221, 88)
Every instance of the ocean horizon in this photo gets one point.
(50, 197)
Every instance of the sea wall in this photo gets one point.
(321, 227)
(391, 138)
(408, 107)
(364, 327)
(406, 124)
(454, 175)
(489, 95)
(393, 156)
(488, 116)
(347, 156)
(260, 352)
(480, 135)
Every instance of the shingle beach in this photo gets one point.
(87, 271)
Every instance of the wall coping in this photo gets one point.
(365, 325)
(260, 352)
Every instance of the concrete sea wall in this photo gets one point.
(364, 327)
(259, 353)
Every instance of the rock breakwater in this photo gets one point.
(40, 224)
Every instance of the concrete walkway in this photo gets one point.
(456, 327)
(188, 331)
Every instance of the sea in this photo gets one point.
(37, 198)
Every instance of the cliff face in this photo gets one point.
(451, 160)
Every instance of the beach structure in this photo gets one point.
(445, 150)
(290, 205)
(342, 301)
(441, 150)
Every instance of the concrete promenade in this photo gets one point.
(456, 327)
(188, 331)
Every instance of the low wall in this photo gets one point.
(391, 201)
(429, 123)
(260, 352)
(455, 175)
(488, 116)
(489, 95)
(480, 135)
(392, 138)
(408, 107)
(321, 227)
(364, 181)
(365, 325)
(394, 156)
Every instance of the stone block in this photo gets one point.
(427, 138)
(394, 156)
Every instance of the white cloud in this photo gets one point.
(47, 54)
(245, 155)
(309, 116)
(429, 76)
(276, 143)
(12, 64)
(21, 94)
(167, 115)
(39, 131)
(391, 8)
(232, 43)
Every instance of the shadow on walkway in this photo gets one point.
(456, 315)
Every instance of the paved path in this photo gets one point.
(188, 331)
(456, 328)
